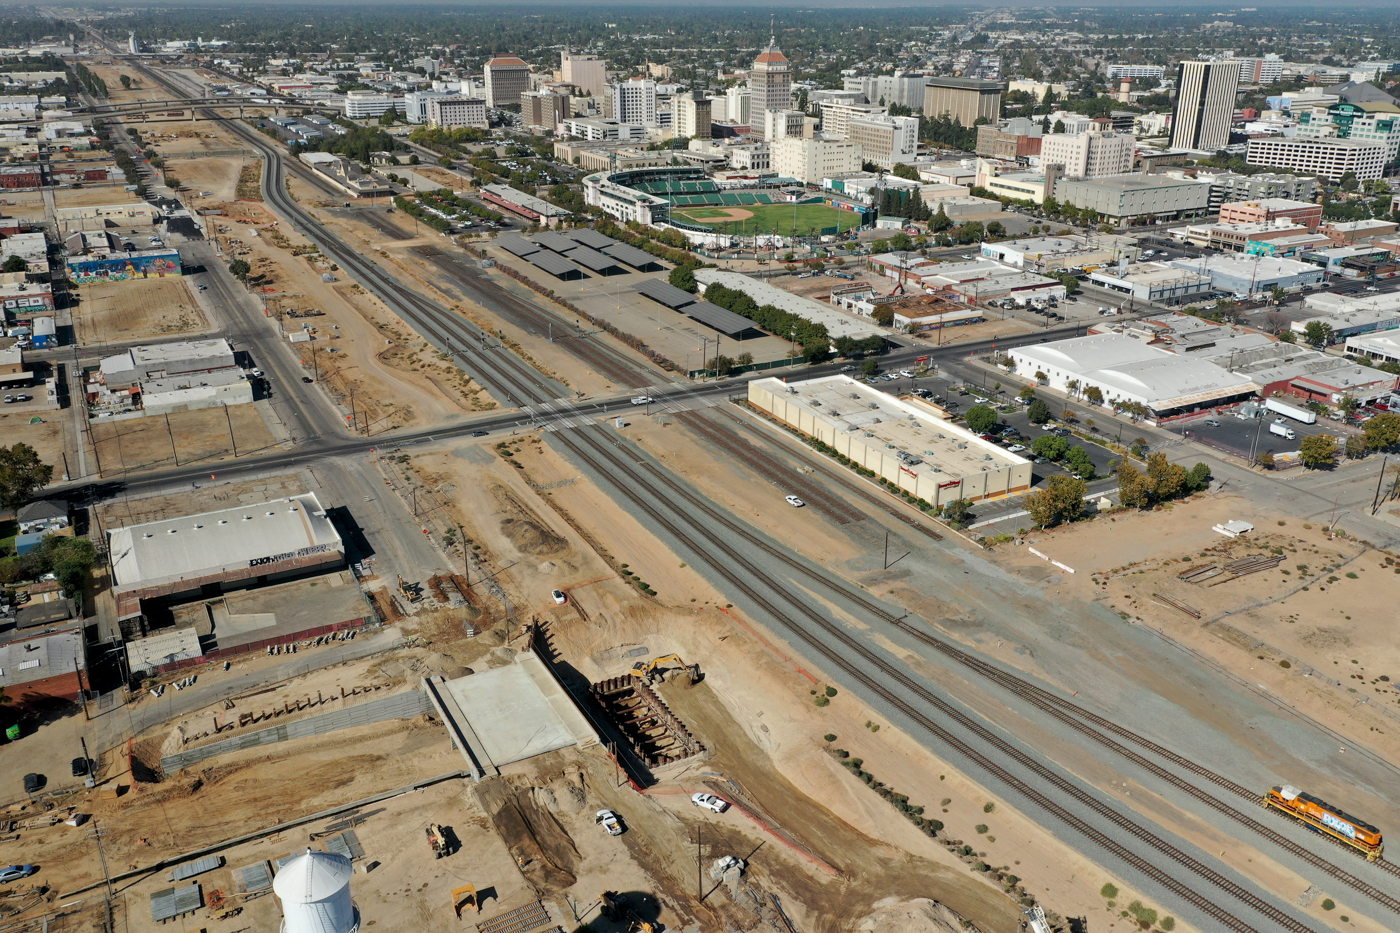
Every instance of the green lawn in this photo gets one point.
(768, 218)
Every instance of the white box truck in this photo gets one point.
(1283, 430)
(1292, 411)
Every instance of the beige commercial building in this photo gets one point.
(837, 116)
(906, 442)
(543, 109)
(886, 141)
(587, 72)
(455, 111)
(693, 115)
(770, 85)
(1205, 105)
(811, 160)
(965, 99)
(507, 77)
(1089, 155)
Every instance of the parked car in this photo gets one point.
(710, 802)
(15, 873)
(306, 379)
(609, 821)
(1016, 448)
(204, 288)
(848, 369)
(1212, 423)
(81, 767)
(33, 783)
(9, 400)
(905, 374)
(794, 502)
(560, 597)
(258, 373)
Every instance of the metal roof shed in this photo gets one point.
(555, 241)
(666, 294)
(516, 245)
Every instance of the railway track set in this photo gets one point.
(734, 552)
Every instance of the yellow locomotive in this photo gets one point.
(1326, 819)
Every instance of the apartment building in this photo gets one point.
(416, 104)
(779, 124)
(885, 140)
(1089, 155)
(1264, 71)
(1134, 72)
(456, 110)
(1328, 158)
(586, 72)
(888, 90)
(367, 105)
(809, 160)
(964, 99)
(1205, 105)
(634, 101)
(1013, 140)
(507, 77)
(738, 104)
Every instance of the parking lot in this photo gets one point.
(1241, 434)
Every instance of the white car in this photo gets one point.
(1016, 448)
(610, 822)
(794, 502)
(258, 373)
(905, 374)
(710, 802)
(560, 597)
(641, 399)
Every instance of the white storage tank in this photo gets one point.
(314, 889)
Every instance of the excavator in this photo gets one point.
(615, 908)
(651, 671)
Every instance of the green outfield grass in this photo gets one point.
(767, 217)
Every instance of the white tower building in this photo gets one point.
(314, 889)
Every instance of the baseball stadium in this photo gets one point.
(770, 205)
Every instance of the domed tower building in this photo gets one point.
(314, 889)
(770, 86)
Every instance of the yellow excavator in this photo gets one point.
(651, 671)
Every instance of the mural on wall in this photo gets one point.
(120, 268)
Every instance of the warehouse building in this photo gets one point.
(1153, 281)
(248, 545)
(1253, 275)
(1127, 196)
(42, 659)
(1128, 370)
(907, 443)
(158, 379)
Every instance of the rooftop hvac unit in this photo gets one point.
(962, 445)
(986, 456)
(854, 427)
(816, 403)
(868, 434)
(874, 406)
(889, 447)
(855, 395)
(314, 889)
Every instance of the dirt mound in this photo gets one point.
(565, 794)
(500, 657)
(541, 847)
(919, 915)
(426, 666)
(527, 533)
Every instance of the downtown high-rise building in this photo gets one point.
(770, 85)
(1205, 105)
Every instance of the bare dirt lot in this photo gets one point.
(117, 312)
(49, 437)
(209, 435)
(397, 379)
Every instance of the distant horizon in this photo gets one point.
(1142, 6)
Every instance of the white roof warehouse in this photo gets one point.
(1126, 370)
(243, 546)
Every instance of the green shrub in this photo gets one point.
(831, 691)
(830, 737)
(980, 828)
(1109, 891)
(989, 807)
(1328, 904)
(822, 701)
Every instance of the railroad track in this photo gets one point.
(734, 565)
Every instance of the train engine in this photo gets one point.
(1326, 819)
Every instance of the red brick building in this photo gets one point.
(1268, 209)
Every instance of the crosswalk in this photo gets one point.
(563, 413)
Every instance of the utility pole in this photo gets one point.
(175, 453)
(96, 835)
(229, 419)
(1376, 502)
(699, 866)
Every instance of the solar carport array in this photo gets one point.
(591, 238)
(726, 322)
(594, 260)
(554, 264)
(517, 245)
(637, 259)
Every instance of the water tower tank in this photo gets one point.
(314, 889)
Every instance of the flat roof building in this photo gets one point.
(1127, 196)
(457, 110)
(507, 77)
(836, 323)
(247, 545)
(965, 99)
(1265, 210)
(905, 442)
(1253, 275)
(1328, 158)
(1154, 282)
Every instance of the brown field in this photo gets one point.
(199, 436)
(114, 312)
(47, 438)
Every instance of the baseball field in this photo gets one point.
(769, 218)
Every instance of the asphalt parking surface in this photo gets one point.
(1240, 434)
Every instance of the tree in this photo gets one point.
(880, 246)
(126, 82)
(1383, 431)
(22, 473)
(981, 419)
(1266, 460)
(1198, 478)
(683, 276)
(1094, 394)
(901, 170)
(1276, 321)
(1062, 500)
(1133, 492)
(996, 229)
(1027, 394)
(1318, 333)
(1038, 412)
(1288, 336)
(1079, 463)
(1165, 480)
(1348, 405)
(15, 264)
(1070, 283)
(1050, 446)
(1277, 294)
(958, 512)
(870, 367)
(239, 269)
(446, 161)
(1059, 126)
(940, 221)
(1348, 180)
(1355, 447)
(1318, 451)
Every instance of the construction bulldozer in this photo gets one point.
(653, 670)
